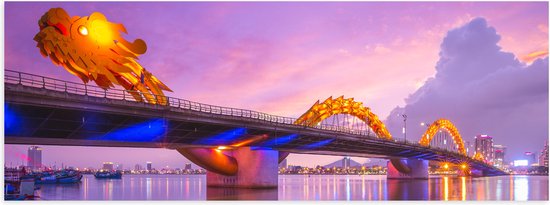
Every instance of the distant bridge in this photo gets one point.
(47, 111)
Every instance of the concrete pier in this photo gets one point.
(418, 170)
(256, 169)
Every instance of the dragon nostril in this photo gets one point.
(59, 27)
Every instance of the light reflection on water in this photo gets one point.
(348, 194)
(299, 187)
(446, 188)
(463, 188)
(148, 188)
(521, 188)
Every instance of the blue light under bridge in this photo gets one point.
(224, 138)
(12, 122)
(278, 141)
(317, 144)
(149, 131)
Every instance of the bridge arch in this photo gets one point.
(449, 127)
(321, 111)
(479, 156)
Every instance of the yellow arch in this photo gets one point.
(449, 127)
(321, 111)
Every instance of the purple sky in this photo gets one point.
(280, 58)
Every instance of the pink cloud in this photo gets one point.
(281, 57)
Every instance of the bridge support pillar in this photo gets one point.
(256, 169)
(418, 170)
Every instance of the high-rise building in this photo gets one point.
(543, 157)
(119, 167)
(107, 166)
(484, 146)
(188, 166)
(137, 167)
(346, 162)
(149, 166)
(530, 157)
(283, 164)
(35, 157)
(470, 148)
(500, 151)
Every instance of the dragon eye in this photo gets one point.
(83, 30)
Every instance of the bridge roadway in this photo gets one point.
(40, 110)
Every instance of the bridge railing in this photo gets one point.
(31, 80)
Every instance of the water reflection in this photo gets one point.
(218, 193)
(499, 190)
(416, 189)
(149, 188)
(62, 190)
(511, 196)
(348, 194)
(463, 188)
(363, 187)
(85, 187)
(334, 193)
(298, 187)
(521, 188)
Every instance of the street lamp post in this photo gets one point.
(404, 126)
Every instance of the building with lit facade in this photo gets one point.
(543, 157)
(530, 157)
(500, 151)
(137, 167)
(484, 145)
(149, 166)
(119, 167)
(108, 166)
(470, 150)
(35, 157)
(346, 162)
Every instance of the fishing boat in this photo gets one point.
(45, 178)
(106, 174)
(59, 177)
(68, 177)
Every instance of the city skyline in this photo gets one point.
(539, 156)
(263, 74)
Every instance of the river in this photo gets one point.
(303, 187)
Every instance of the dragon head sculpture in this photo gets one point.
(92, 48)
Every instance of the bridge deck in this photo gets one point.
(39, 114)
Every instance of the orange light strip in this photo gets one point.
(241, 143)
(251, 140)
